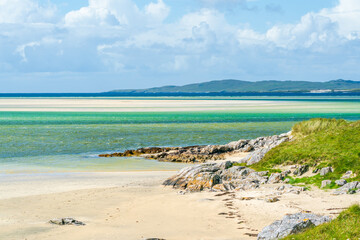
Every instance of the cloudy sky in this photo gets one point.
(100, 45)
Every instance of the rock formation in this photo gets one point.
(257, 148)
(291, 224)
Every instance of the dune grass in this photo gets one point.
(345, 226)
(319, 143)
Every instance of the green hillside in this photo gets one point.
(319, 143)
(246, 86)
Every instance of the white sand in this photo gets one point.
(134, 205)
(158, 105)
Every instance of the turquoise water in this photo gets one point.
(70, 141)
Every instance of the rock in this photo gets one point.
(275, 178)
(325, 183)
(348, 174)
(348, 188)
(154, 239)
(271, 199)
(341, 182)
(66, 221)
(301, 170)
(291, 224)
(202, 154)
(325, 171)
(226, 165)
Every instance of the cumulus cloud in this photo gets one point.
(118, 12)
(347, 15)
(24, 11)
(118, 36)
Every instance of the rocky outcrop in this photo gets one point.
(66, 221)
(226, 176)
(348, 188)
(291, 224)
(257, 148)
(262, 146)
(217, 177)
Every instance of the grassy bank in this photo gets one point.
(319, 143)
(346, 226)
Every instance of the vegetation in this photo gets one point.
(319, 143)
(346, 226)
(232, 86)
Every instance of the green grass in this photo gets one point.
(319, 143)
(346, 226)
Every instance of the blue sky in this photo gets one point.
(100, 45)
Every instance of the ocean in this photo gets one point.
(53, 141)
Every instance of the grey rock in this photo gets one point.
(66, 221)
(325, 183)
(291, 224)
(347, 188)
(154, 239)
(275, 178)
(301, 170)
(325, 171)
(347, 175)
(341, 182)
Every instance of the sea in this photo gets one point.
(70, 141)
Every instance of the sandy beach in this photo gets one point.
(134, 205)
(166, 105)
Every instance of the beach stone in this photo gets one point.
(341, 182)
(325, 183)
(271, 199)
(325, 171)
(154, 239)
(275, 178)
(291, 224)
(66, 221)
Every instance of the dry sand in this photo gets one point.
(134, 205)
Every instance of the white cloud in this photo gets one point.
(158, 11)
(24, 11)
(311, 31)
(347, 15)
(114, 12)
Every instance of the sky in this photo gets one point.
(101, 45)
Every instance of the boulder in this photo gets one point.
(325, 171)
(325, 183)
(291, 224)
(301, 170)
(341, 182)
(275, 178)
(348, 188)
(348, 174)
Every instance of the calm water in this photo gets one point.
(70, 141)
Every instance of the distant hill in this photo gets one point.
(239, 86)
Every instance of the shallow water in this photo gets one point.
(70, 141)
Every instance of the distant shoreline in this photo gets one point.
(185, 94)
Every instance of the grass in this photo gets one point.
(319, 143)
(345, 226)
